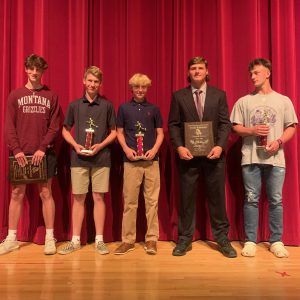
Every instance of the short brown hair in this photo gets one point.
(260, 62)
(198, 60)
(34, 60)
(94, 71)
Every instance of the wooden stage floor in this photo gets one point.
(202, 274)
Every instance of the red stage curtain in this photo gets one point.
(157, 38)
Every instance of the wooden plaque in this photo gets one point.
(198, 137)
(29, 173)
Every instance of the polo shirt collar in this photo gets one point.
(144, 103)
(95, 102)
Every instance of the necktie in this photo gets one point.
(199, 103)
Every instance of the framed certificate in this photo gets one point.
(29, 173)
(198, 137)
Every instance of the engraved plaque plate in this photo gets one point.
(198, 137)
(29, 173)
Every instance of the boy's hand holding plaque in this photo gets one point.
(198, 137)
(29, 173)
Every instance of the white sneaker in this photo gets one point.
(50, 247)
(8, 246)
(101, 248)
(249, 249)
(278, 250)
(69, 247)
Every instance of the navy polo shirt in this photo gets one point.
(103, 114)
(147, 114)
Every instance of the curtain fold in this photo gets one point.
(157, 38)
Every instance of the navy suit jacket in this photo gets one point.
(183, 109)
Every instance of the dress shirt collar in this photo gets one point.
(203, 88)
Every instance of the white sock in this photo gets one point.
(76, 239)
(49, 234)
(12, 234)
(99, 238)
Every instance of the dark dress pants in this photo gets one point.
(213, 174)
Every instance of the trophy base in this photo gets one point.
(141, 157)
(261, 147)
(86, 151)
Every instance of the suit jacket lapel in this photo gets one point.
(190, 104)
(208, 103)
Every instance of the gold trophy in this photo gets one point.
(139, 140)
(89, 136)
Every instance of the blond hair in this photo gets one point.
(139, 79)
(94, 71)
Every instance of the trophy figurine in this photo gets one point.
(89, 136)
(139, 140)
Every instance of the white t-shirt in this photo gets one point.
(273, 109)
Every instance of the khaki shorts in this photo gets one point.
(81, 179)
